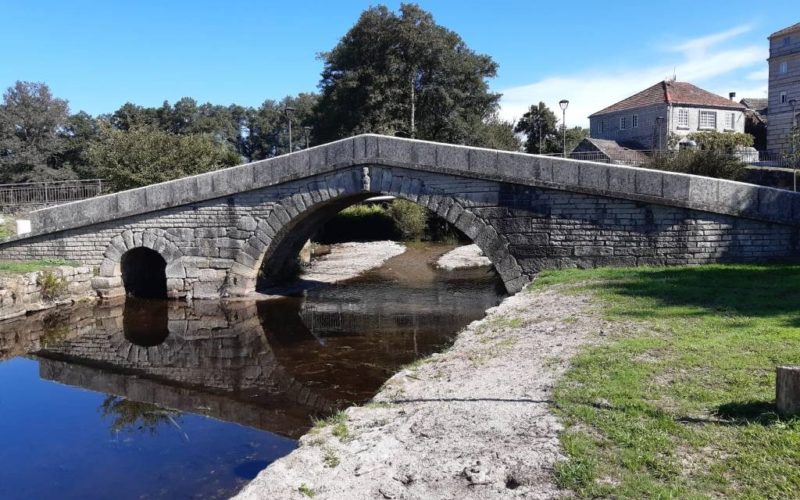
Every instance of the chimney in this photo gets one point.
(732, 96)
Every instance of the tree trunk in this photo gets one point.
(787, 389)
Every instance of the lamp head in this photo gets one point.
(563, 103)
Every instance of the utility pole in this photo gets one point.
(413, 105)
(307, 131)
(289, 110)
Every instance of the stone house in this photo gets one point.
(646, 119)
(784, 87)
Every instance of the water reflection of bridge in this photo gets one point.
(270, 365)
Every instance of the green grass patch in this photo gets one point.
(683, 406)
(29, 266)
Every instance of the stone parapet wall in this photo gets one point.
(25, 293)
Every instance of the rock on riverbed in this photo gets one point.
(473, 422)
(463, 257)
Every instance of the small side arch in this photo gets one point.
(143, 263)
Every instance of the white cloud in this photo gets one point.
(698, 60)
(761, 75)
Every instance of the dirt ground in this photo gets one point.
(462, 257)
(474, 422)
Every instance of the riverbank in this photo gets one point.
(472, 422)
(27, 287)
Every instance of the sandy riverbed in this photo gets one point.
(474, 422)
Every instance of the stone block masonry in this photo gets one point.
(216, 231)
(21, 294)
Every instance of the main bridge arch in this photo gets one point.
(294, 219)
(526, 212)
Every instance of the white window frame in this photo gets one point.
(635, 121)
(787, 40)
(683, 118)
(602, 126)
(730, 121)
(783, 68)
(706, 114)
(623, 123)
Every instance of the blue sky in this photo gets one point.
(98, 55)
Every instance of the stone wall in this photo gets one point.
(525, 212)
(24, 293)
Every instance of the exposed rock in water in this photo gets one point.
(463, 257)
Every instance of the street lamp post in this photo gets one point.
(288, 110)
(564, 103)
(793, 104)
(307, 131)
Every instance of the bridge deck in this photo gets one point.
(616, 181)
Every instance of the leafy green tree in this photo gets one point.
(538, 126)
(31, 122)
(133, 416)
(79, 133)
(403, 74)
(142, 155)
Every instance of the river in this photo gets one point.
(157, 399)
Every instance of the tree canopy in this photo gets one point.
(31, 125)
(403, 74)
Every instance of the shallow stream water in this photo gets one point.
(156, 399)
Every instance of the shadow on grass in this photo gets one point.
(750, 412)
(755, 290)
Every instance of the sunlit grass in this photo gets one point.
(679, 401)
(29, 266)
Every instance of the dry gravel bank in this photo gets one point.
(474, 422)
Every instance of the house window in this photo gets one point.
(635, 121)
(683, 118)
(623, 122)
(783, 97)
(708, 119)
(784, 67)
(602, 125)
(730, 121)
(787, 40)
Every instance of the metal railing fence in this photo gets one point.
(26, 195)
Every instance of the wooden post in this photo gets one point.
(787, 389)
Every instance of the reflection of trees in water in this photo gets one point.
(132, 416)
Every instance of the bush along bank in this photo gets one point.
(24, 288)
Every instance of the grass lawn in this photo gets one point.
(678, 400)
(28, 266)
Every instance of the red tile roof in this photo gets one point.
(786, 31)
(671, 92)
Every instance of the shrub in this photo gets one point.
(410, 218)
(721, 141)
(51, 285)
(706, 162)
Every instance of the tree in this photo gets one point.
(144, 155)
(31, 123)
(725, 142)
(404, 75)
(539, 127)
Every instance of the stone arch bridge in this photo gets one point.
(216, 231)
